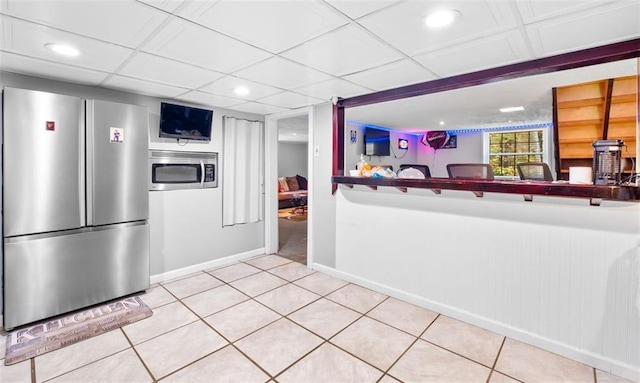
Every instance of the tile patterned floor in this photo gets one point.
(268, 319)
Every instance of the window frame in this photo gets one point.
(546, 144)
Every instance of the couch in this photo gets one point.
(292, 191)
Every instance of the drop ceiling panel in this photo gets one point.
(347, 50)
(403, 25)
(142, 87)
(281, 73)
(334, 87)
(123, 22)
(165, 5)
(272, 25)
(29, 39)
(357, 9)
(597, 27)
(399, 73)
(33, 67)
(225, 87)
(290, 100)
(188, 42)
(258, 108)
(486, 53)
(160, 69)
(533, 11)
(209, 99)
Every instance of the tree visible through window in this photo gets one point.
(506, 149)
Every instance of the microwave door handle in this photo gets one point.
(201, 173)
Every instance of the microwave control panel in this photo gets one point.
(209, 173)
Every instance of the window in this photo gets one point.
(505, 149)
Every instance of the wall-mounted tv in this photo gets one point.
(376, 142)
(185, 122)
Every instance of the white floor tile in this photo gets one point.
(531, 364)
(121, 367)
(375, 343)
(214, 300)
(164, 319)
(172, 351)
(278, 345)
(241, 320)
(268, 262)
(473, 342)
(223, 366)
(258, 283)
(404, 316)
(425, 362)
(192, 285)
(357, 298)
(321, 284)
(330, 364)
(234, 272)
(19, 372)
(324, 317)
(287, 298)
(79, 354)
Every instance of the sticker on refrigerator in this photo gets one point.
(51, 125)
(116, 135)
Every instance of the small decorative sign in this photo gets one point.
(50, 125)
(116, 135)
(403, 143)
(353, 136)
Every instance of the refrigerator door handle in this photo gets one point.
(202, 173)
(83, 170)
(88, 181)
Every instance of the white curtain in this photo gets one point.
(242, 177)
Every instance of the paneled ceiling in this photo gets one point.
(291, 54)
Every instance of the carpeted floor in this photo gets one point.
(292, 239)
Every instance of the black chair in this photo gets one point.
(537, 171)
(423, 168)
(470, 171)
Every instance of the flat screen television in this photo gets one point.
(376, 142)
(185, 122)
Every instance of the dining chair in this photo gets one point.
(537, 171)
(470, 171)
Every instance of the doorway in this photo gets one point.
(293, 142)
(288, 185)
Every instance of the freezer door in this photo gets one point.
(50, 274)
(43, 162)
(117, 142)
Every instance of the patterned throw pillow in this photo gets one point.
(283, 185)
(293, 183)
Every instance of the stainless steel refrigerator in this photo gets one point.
(75, 203)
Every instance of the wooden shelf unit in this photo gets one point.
(598, 110)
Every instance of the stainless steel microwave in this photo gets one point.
(171, 170)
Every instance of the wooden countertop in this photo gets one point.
(526, 188)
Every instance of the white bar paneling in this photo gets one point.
(562, 275)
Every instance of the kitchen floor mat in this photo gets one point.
(54, 333)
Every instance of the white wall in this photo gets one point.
(186, 225)
(397, 157)
(322, 209)
(556, 273)
(292, 159)
(469, 150)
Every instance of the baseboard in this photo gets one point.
(595, 360)
(173, 274)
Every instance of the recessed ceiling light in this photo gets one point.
(441, 122)
(441, 18)
(65, 50)
(512, 109)
(241, 91)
